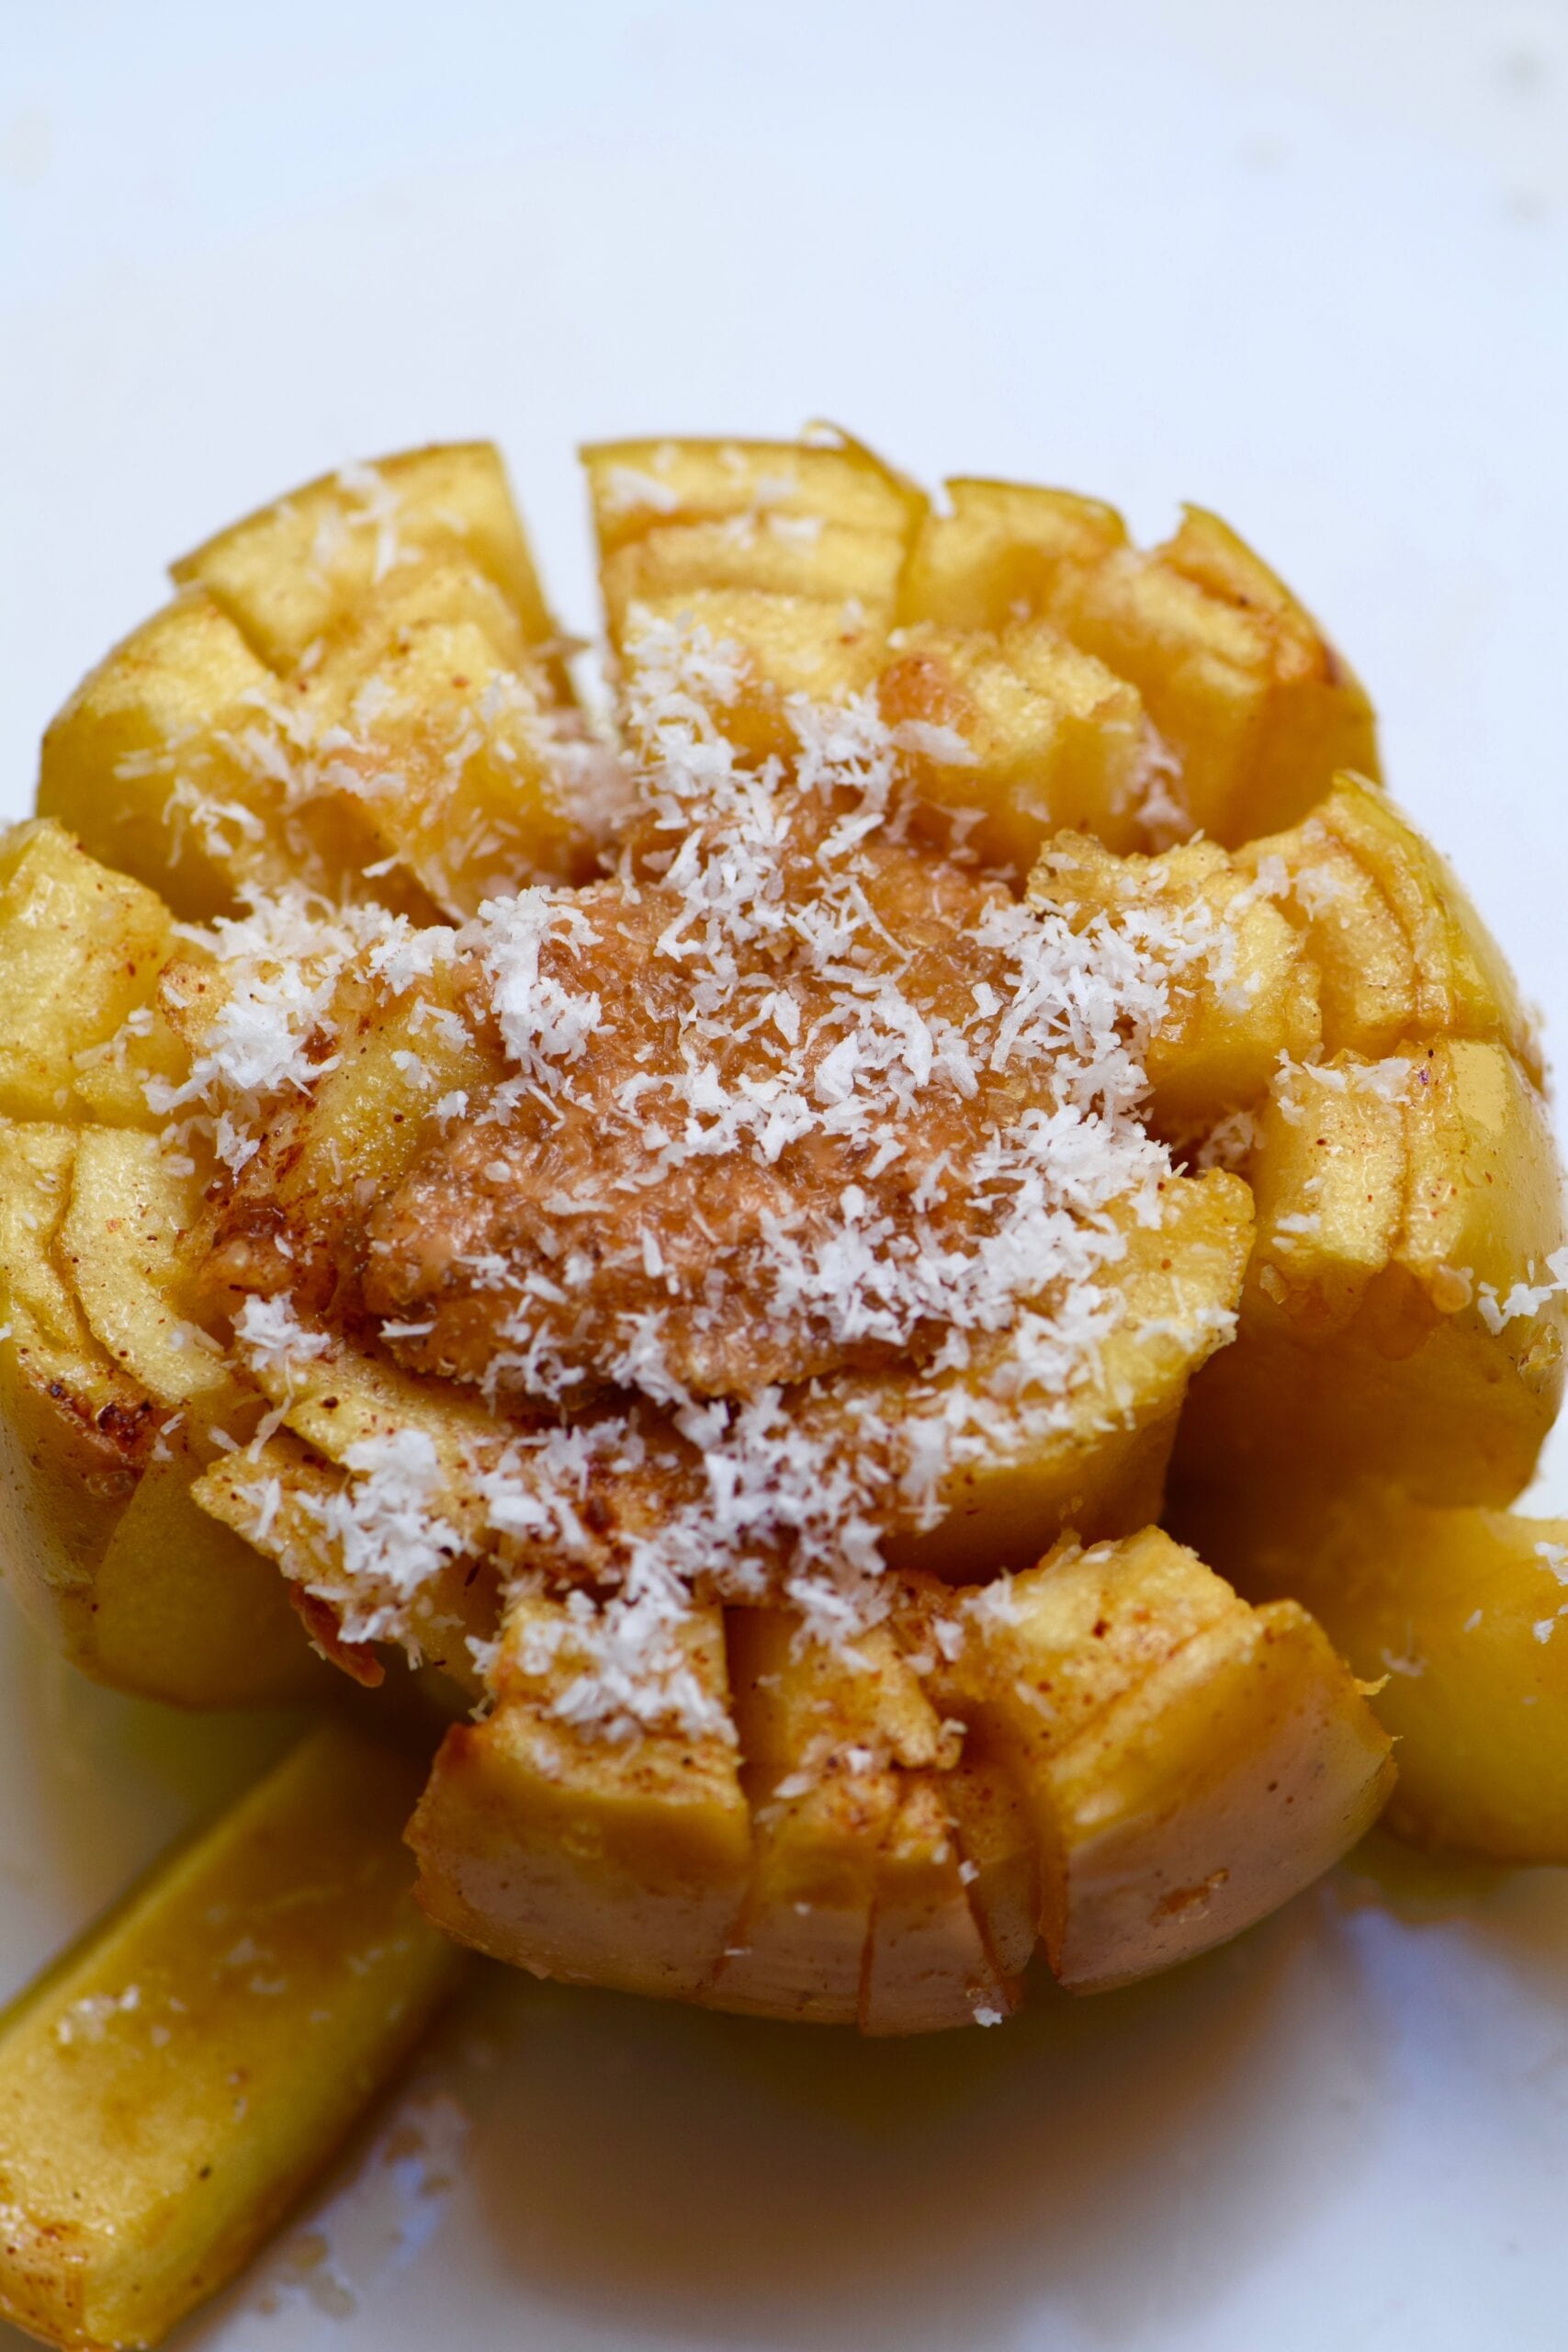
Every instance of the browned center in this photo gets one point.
(597, 1218)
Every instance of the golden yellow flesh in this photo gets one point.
(179, 2077)
(457, 807)
(370, 1113)
(929, 1964)
(1230, 1015)
(80, 949)
(638, 486)
(129, 1243)
(101, 1540)
(165, 763)
(1213, 1794)
(1399, 950)
(1234, 673)
(1133, 1762)
(1002, 551)
(1103, 1472)
(180, 1609)
(359, 688)
(1189, 1762)
(292, 573)
(1459, 1617)
(997, 1839)
(1020, 731)
(822, 1737)
(1400, 1208)
(72, 1432)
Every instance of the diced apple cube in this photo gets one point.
(292, 573)
(616, 1862)
(1189, 1762)
(1021, 733)
(79, 950)
(1400, 1317)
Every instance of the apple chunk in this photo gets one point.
(1461, 1620)
(859, 1906)
(1253, 703)
(103, 1546)
(1400, 950)
(81, 947)
(610, 1861)
(819, 1733)
(1189, 1762)
(1401, 1317)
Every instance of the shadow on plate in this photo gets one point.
(711, 2180)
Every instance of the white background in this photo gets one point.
(1308, 264)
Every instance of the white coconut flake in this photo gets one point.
(272, 1339)
(390, 1540)
(943, 746)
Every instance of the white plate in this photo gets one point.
(1308, 265)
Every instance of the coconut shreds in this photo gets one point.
(1524, 1298)
(796, 1199)
(386, 1528)
(271, 1336)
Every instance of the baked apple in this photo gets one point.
(712, 1232)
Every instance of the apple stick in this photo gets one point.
(171, 2085)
